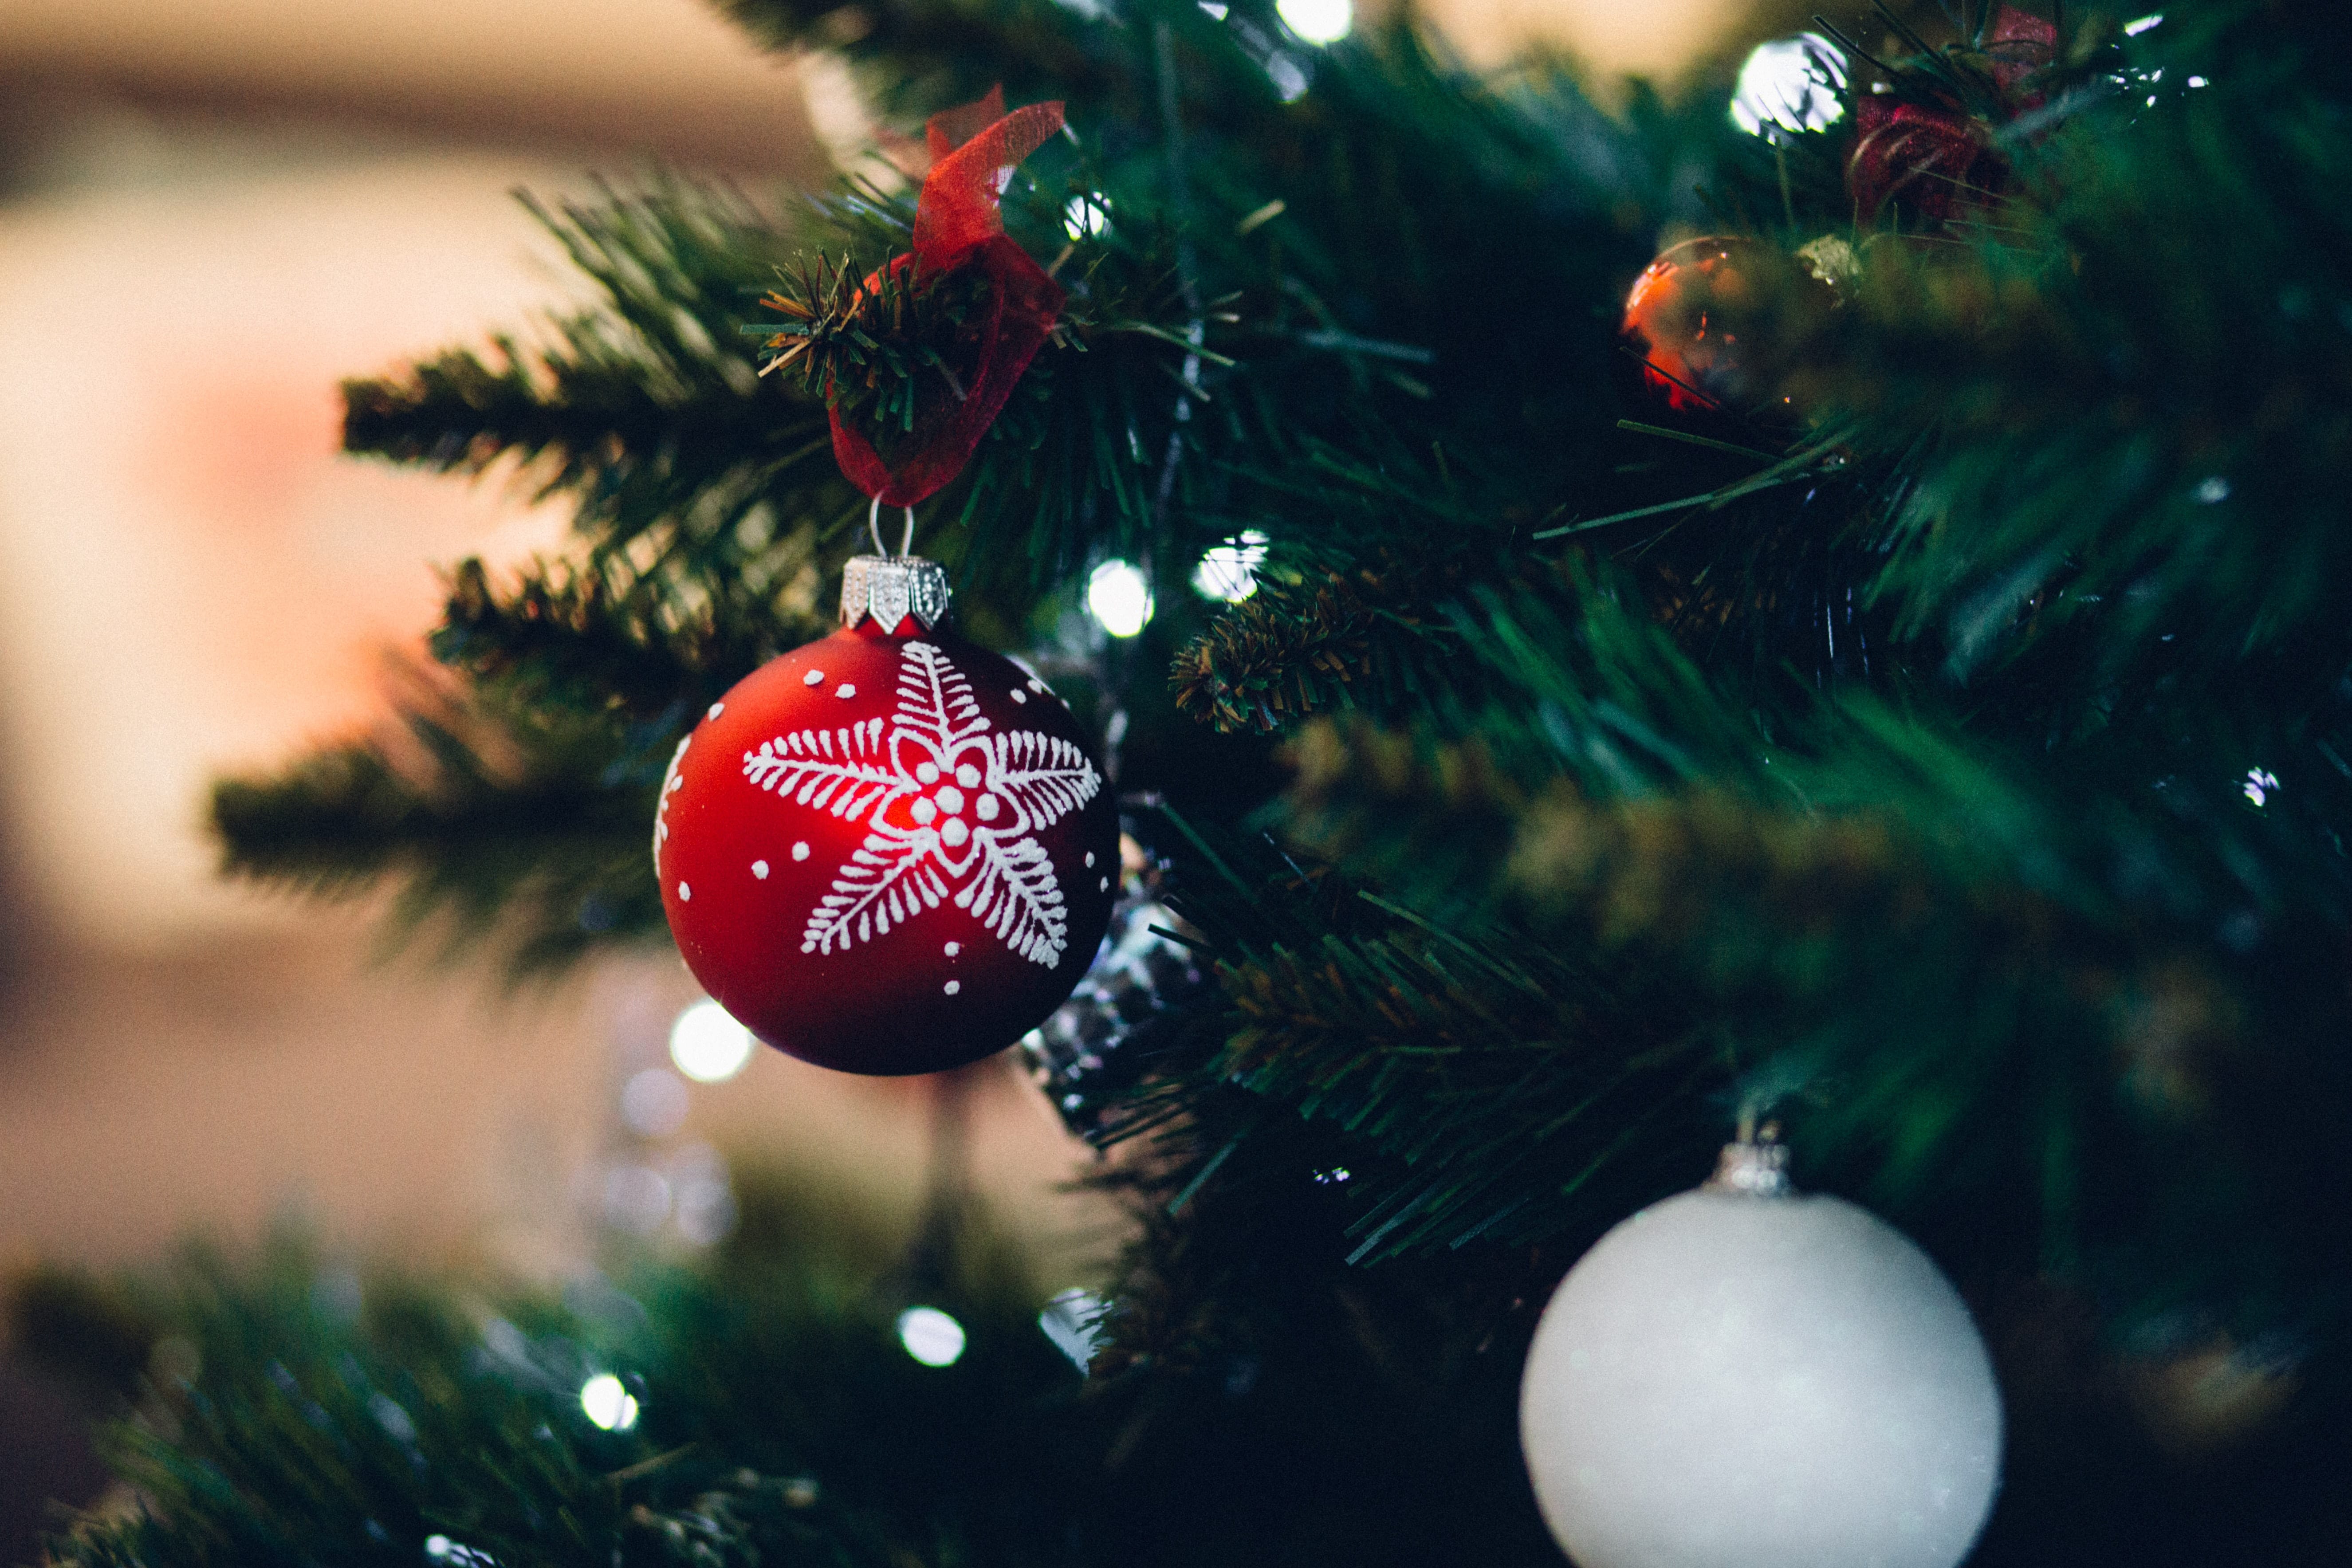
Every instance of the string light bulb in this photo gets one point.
(1321, 22)
(608, 1403)
(1228, 571)
(1790, 85)
(930, 1336)
(1119, 597)
(708, 1044)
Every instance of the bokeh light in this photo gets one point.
(1073, 1320)
(1119, 598)
(636, 1198)
(930, 1336)
(654, 1102)
(1229, 570)
(608, 1403)
(1790, 85)
(708, 1044)
(1318, 21)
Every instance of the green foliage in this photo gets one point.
(529, 831)
(295, 1410)
(873, 352)
(306, 1412)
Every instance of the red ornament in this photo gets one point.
(1931, 159)
(1674, 323)
(887, 852)
(958, 224)
(2020, 44)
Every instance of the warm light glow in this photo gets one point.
(1790, 85)
(708, 1044)
(1229, 571)
(1318, 21)
(930, 1336)
(608, 1404)
(1119, 598)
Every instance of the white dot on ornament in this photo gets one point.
(1091, 860)
(1019, 695)
(952, 833)
(760, 869)
(813, 678)
(844, 689)
(924, 811)
(930, 1336)
(927, 773)
(800, 852)
(1104, 885)
(952, 987)
(608, 1403)
(717, 709)
(685, 893)
(950, 799)
(954, 947)
(968, 776)
(985, 807)
(708, 1044)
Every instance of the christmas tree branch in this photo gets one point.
(533, 829)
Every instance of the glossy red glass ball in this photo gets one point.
(1675, 323)
(887, 853)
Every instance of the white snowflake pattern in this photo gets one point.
(951, 806)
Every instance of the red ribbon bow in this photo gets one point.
(1934, 158)
(975, 150)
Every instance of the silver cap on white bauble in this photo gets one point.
(890, 588)
(1755, 1168)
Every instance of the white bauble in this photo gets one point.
(1751, 1379)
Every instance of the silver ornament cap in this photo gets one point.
(889, 588)
(1757, 1169)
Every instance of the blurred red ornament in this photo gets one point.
(1933, 157)
(889, 851)
(1675, 322)
(1930, 158)
(958, 224)
(2020, 44)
